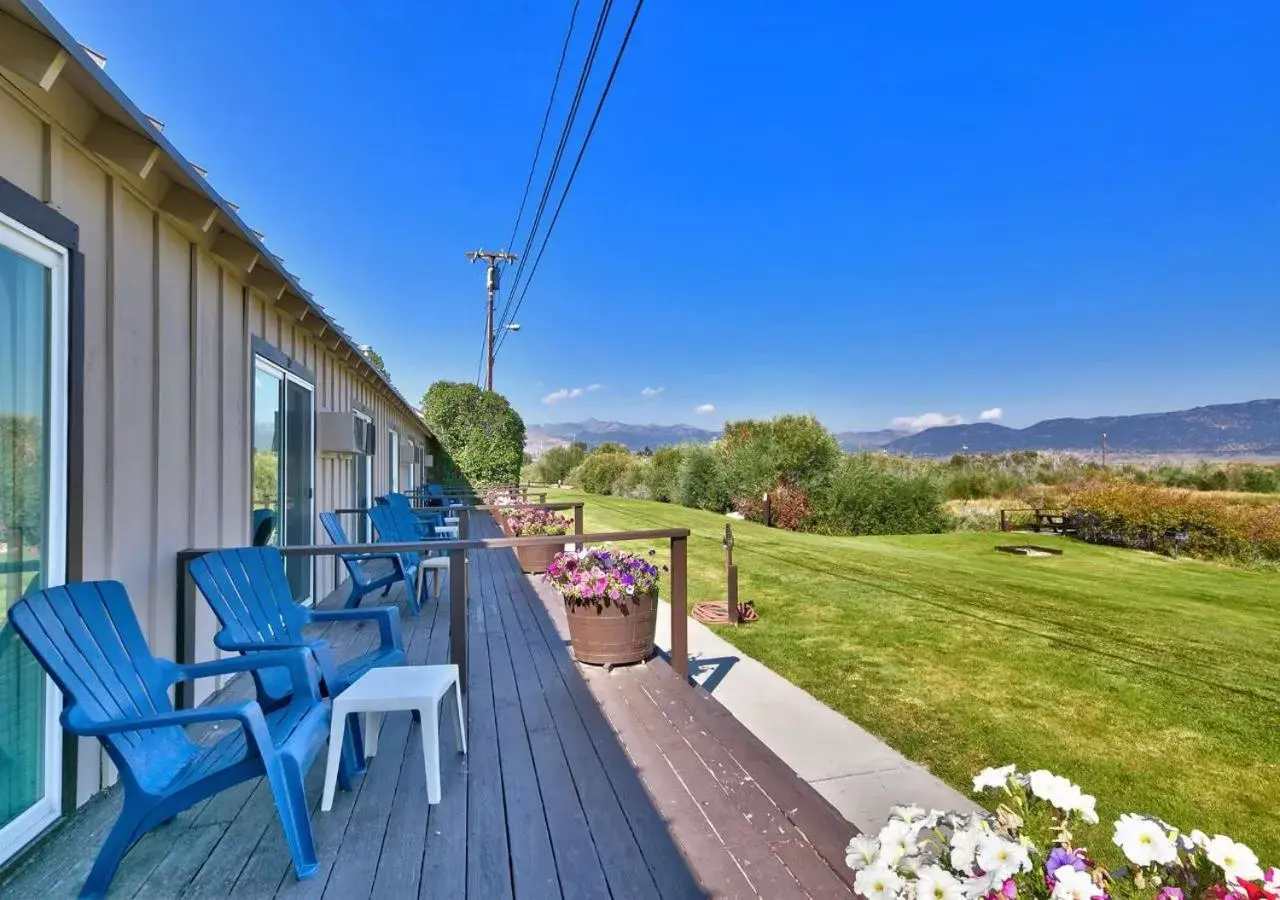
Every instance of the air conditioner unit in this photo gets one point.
(343, 434)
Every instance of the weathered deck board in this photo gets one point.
(579, 784)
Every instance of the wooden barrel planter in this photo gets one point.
(613, 633)
(534, 560)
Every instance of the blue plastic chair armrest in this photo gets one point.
(318, 648)
(246, 712)
(296, 660)
(369, 557)
(388, 618)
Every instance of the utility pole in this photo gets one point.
(492, 260)
(1104, 449)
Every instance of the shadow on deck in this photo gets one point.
(579, 783)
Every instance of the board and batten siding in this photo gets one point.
(168, 380)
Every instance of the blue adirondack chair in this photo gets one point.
(87, 638)
(264, 526)
(250, 595)
(361, 582)
(418, 527)
(395, 529)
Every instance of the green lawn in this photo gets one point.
(1153, 683)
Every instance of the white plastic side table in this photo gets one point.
(392, 689)
(448, 531)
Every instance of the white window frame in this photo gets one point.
(53, 256)
(266, 365)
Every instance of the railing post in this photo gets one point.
(680, 606)
(458, 613)
(577, 525)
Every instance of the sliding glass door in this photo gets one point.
(284, 464)
(33, 463)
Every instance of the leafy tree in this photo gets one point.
(22, 493)
(700, 482)
(793, 450)
(599, 471)
(807, 453)
(481, 437)
(375, 360)
(610, 447)
(554, 466)
(660, 476)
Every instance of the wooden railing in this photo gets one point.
(459, 586)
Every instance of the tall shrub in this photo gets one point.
(661, 474)
(1169, 520)
(866, 497)
(599, 471)
(791, 450)
(700, 480)
(554, 466)
(480, 434)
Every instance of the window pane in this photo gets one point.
(268, 440)
(24, 452)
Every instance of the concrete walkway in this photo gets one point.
(858, 773)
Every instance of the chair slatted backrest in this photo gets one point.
(338, 536)
(87, 637)
(407, 520)
(250, 595)
(391, 531)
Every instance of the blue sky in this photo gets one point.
(866, 211)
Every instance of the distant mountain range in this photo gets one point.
(539, 438)
(856, 441)
(1251, 428)
(1227, 429)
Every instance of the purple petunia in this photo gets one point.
(1063, 857)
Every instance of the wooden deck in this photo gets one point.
(579, 784)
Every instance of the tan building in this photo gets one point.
(163, 378)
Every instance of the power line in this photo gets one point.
(626, 38)
(565, 133)
(542, 133)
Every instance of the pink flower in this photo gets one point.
(1009, 889)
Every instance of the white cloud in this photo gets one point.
(649, 393)
(703, 408)
(925, 420)
(995, 414)
(595, 387)
(561, 395)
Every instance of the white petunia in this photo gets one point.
(1199, 838)
(1072, 885)
(863, 851)
(964, 847)
(981, 886)
(1237, 861)
(897, 839)
(1143, 841)
(1043, 783)
(1087, 807)
(992, 778)
(909, 813)
(878, 883)
(936, 883)
(1001, 857)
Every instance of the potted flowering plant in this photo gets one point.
(498, 497)
(611, 602)
(530, 521)
(1026, 851)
